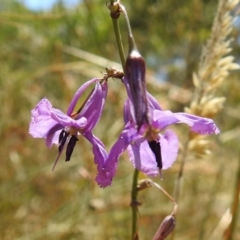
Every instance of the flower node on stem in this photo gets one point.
(114, 9)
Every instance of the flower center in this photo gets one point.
(69, 133)
(151, 134)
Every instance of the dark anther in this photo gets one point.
(156, 148)
(70, 147)
(62, 139)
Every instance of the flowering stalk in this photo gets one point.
(135, 73)
(116, 8)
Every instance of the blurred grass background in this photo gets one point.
(36, 203)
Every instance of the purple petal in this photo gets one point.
(143, 158)
(162, 119)
(198, 124)
(100, 155)
(47, 122)
(92, 110)
(128, 114)
(107, 172)
(126, 84)
(41, 120)
(169, 148)
(153, 103)
(120, 146)
(67, 121)
(52, 136)
(78, 95)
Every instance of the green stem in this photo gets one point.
(131, 41)
(134, 204)
(119, 41)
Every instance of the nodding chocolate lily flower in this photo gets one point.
(153, 147)
(63, 129)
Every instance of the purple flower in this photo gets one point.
(153, 147)
(63, 129)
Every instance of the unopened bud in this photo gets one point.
(135, 74)
(165, 228)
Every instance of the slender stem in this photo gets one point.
(119, 41)
(174, 212)
(134, 204)
(131, 41)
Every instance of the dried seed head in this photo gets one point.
(143, 184)
(165, 228)
(199, 145)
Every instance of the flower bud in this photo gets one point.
(135, 74)
(165, 228)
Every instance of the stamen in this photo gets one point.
(62, 139)
(156, 148)
(70, 147)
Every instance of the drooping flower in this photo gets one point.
(63, 129)
(153, 147)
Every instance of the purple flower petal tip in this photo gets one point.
(104, 179)
(41, 119)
